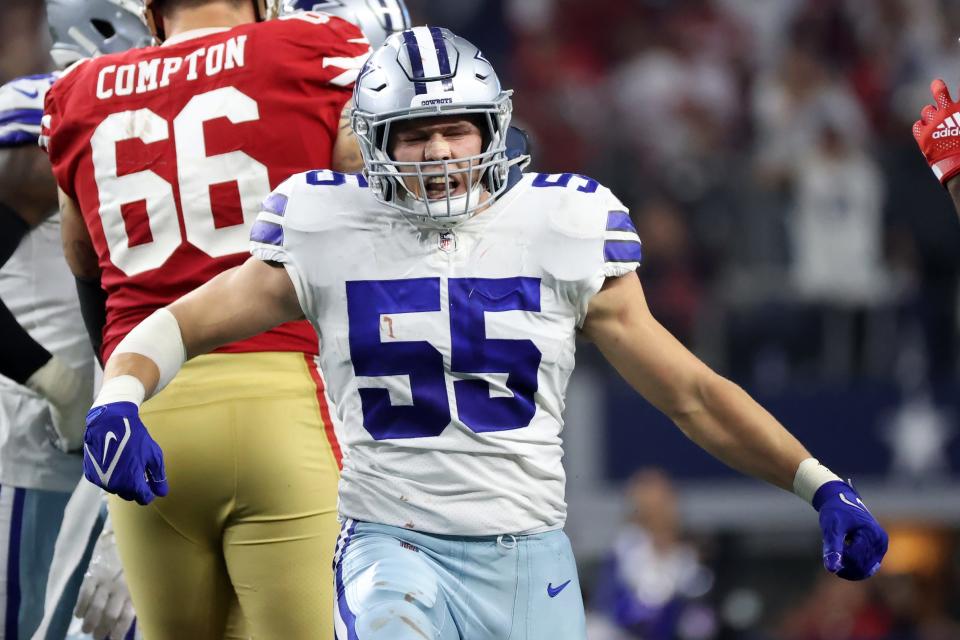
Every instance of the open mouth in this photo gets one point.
(439, 187)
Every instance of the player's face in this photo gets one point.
(433, 139)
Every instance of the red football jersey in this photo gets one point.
(169, 151)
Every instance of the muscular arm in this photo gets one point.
(82, 259)
(710, 410)
(77, 246)
(27, 184)
(237, 304)
(346, 150)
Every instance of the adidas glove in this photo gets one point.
(938, 133)
(854, 543)
(118, 453)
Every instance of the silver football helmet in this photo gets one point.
(88, 28)
(424, 72)
(378, 19)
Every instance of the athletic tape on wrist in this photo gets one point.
(810, 476)
(121, 389)
(158, 338)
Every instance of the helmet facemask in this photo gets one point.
(484, 173)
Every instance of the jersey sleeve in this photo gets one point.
(331, 50)
(613, 248)
(21, 109)
(55, 136)
(272, 240)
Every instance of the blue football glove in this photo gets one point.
(854, 543)
(120, 456)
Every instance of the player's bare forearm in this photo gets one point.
(133, 364)
(77, 246)
(954, 187)
(237, 304)
(27, 184)
(712, 411)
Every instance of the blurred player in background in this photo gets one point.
(938, 134)
(46, 363)
(46, 348)
(650, 583)
(448, 305)
(163, 156)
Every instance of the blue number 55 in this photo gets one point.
(472, 354)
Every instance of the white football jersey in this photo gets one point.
(39, 290)
(447, 353)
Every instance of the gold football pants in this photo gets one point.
(251, 517)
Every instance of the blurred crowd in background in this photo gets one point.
(791, 229)
(793, 236)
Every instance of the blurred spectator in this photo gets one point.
(672, 271)
(837, 225)
(838, 610)
(907, 600)
(652, 586)
(790, 108)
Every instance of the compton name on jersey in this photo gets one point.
(447, 353)
(155, 73)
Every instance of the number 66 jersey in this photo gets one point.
(447, 352)
(169, 150)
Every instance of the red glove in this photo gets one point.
(938, 133)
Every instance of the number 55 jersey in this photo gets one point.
(169, 150)
(447, 352)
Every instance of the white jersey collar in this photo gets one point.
(193, 34)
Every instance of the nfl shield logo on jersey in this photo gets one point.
(447, 241)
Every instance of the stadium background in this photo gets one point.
(793, 238)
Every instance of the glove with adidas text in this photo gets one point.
(120, 456)
(854, 543)
(938, 133)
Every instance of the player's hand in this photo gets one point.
(69, 393)
(854, 543)
(120, 456)
(938, 133)
(104, 602)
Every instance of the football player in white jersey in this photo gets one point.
(447, 306)
(47, 363)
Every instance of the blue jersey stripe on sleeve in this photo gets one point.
(22, 116)
(17, 138)
(621, 251)
(619, 221)
(266, 233)
(276, 203)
